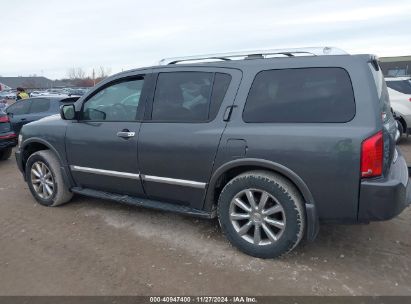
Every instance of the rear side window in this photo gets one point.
(308, 95)
(189, 96)
(40, 105)
(19, 108)
(221, 83)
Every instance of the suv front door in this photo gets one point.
(181, 133)
(102, 145)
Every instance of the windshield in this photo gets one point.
(403, 86)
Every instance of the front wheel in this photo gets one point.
(45, 180)
(261, 213)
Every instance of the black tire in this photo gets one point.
(283, 193)
(60, 192)
(5, 154)
(400, 130)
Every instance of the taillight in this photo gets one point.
(372, 156)
(409, 99)
(4, 119)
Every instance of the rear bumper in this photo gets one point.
(384, 198)
(8, 140)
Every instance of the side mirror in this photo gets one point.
(10, 114)
(68, 112)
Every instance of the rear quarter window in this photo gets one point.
(307, 95)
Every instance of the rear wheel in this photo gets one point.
(262, 214)
(45, 180)
(5, 154)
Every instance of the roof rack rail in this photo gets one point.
(310, 51)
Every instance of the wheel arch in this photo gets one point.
(233, 168)
(35, 144)
(401, 120)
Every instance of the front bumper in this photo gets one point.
(384, 198)
(19, 160)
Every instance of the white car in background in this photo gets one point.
(399, 89)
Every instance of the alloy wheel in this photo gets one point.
(257, 217)
(42, 180)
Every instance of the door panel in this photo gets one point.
(18, 113)
(102, 145)
(100, 160)
(177, 156)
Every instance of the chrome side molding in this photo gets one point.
(149, 178)
(105, 172)
(173, 181)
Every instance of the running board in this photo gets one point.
(142, 202)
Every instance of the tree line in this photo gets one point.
(78, 77)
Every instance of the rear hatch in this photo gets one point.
(389, 125)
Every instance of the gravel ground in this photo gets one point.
(95, 247)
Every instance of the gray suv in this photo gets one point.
(272, 143)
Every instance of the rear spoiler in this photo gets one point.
(374, 62)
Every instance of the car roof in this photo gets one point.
(57, 98)
(244, 63)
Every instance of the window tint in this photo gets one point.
(20, 107)
(300, 95)
(39, 105)
(403, 86)
(221, 83)
(182, 96)
(382, 92)
(117, 102)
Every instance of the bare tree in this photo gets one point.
(103, 72)
(76, 73)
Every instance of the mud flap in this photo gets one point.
(313, 223)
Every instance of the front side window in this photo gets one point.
(306, 95)
(40, 105)
(117, 102)
(183, 97)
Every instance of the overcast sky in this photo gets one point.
(47, 37)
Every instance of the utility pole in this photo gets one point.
(94, 78)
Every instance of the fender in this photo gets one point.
(63, 164)
(311, 212)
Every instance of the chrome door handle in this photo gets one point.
(126, 134)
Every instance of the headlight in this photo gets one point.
(19, 140)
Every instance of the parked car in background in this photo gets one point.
(3, 104)
(270, 146)
(9, 94)
(37, 93)
(77, 92)
(28, 110)
(8, 138)
(399, 89)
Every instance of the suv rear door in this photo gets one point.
(102, 145)
(181, 133)
(17, 113)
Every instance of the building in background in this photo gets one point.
(31, 83)
(396, 66)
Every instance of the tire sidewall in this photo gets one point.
(32, 159)
(5, 154)
(401, 130)
(290, 235)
